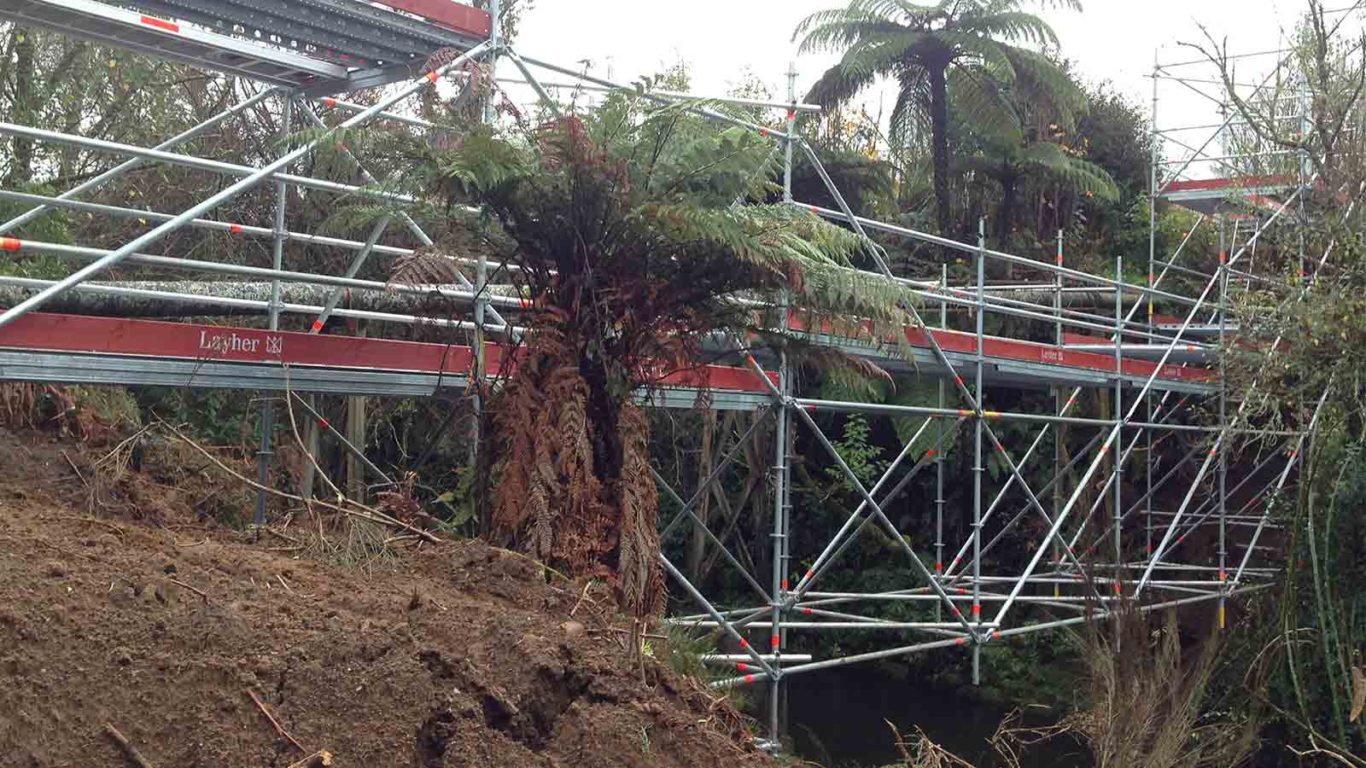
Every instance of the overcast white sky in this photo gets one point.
(719, 40)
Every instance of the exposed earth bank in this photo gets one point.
(164, 624)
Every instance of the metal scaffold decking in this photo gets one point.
(319, 46)
(1117, 520)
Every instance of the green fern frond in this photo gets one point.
(837, 86)
(1082, 175)
(1043, 80)
(1015, 26)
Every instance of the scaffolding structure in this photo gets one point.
(1169, 502)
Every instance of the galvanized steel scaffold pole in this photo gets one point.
(233, 190)
(128, 165)
(481, 303)
(939, 500)
(247, 173)
(1113, 434)
(267, 422)
(781, 437)
(1226, 429)
(1117, 407)
(1222, 494)
(977, 460)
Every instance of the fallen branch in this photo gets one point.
(275, 723)
(371, 514)
(195, 590)
(72, 464)
(129, 751)
(294, 427)
(532, 560)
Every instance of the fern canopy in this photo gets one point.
(624, 222)
(927, 48)
(627, 229)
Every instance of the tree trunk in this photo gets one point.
(313, 445)
(110, 305)
(939, 139)
(1005, 215)
(25, 104)
(573, 469)
(355, 434)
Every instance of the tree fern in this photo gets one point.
(920, 45)
(620, 225)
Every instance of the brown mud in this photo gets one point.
(144, 613)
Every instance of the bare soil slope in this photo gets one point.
(449, 655)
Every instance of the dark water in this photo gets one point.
(838, 718)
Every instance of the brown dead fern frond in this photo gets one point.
(425, 266)
(641, 578)
(518, 420)
(19, 404)
(584, 531)
(515, 421)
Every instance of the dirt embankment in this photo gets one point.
(449, 655)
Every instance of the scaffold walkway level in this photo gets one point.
(318, 46)
(78, 349)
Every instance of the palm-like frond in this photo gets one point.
(838, 86)
(910, 113)
(882, 54)
(981, 102)
(1082, 175)
(425, 266)
(802, 253)
(1065, 5)
(831, 27)
(1043, 81)
(478, 165)
(840, 34)
(980, 51)
(1013, 26)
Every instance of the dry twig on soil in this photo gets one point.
(274, 723)
(129, 751)
(195, 590)
(72, 464)
(582, 598)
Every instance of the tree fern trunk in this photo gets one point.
(573, 473)
(1005, 215)
(939, 139)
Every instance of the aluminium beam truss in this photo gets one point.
(1144, 508)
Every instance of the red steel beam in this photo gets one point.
(186, 341)
(1235, 182)
(108, 335)
(443, 13)
(1026, 352)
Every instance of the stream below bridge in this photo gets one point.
(839, 719)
